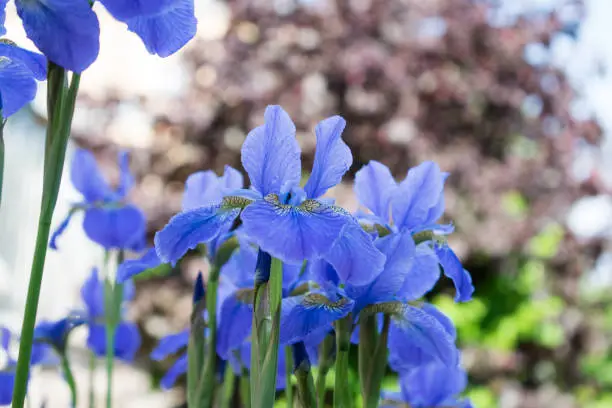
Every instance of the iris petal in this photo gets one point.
(133, 267)
(86, 177)
(432, 384)
(332, 157)
(235, 320)
(423, 274)
(232, 179)
(374, 186)
(92, 293)
(115, 228)
(271, 154)
(454, 270)
(201, 189)
(417, 337)
(17, 86)
(126, 9)
(173, 373)
(60, 230)
(2, 16)
(186, 230)
(399, 250)
(419, 199)
(293, 234)
(127, 340)
(66, 31)
(303, 315)
(170, 345)
(167, 31)
(7, 382)
(35, 62)
(354, 257)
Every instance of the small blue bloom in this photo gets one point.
(127, 336)
(109, 220)
(66, 31)
(433, 385)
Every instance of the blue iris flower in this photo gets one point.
(7, 373)
(127, 336)
(171, 344)
(410, 271)
(55, 333)
(288, 222)
(109, 220)
(414, 205)
(432, 385)
(68, 31)
(19, 70)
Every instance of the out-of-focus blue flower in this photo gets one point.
(414, 205)
(109, 220)
(132, 267)
(68, 31)
(171, 344)
(433, 385)
(19, 70)
(2, 16)
(7, 373)
(127, 336)
(283, 219)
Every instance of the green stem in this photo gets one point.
(325, 363)
(342, 392)
(288, 371)
(110, 358)
(368, 338)
(92, 371)
(69, 379)
(245, 388)
(229, 380)
(375, 373)
(266, 329)
(58, 132)
(206, 387)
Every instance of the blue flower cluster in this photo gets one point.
(376, 265)
(67, 32)
(381, 261)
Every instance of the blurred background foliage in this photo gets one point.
(472, 84)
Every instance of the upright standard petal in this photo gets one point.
(174, 372)
(271, 154)
(419, 199)
(321, 272)
(35, 62)
(126, 178)
(290, 233)
(303, 315)
(433, 385)
(354, 257)
(374, 186)
(232, 179)
(420, 329)
(454, 270)
(86, 177)
(186, 230)
(423, 274)
(168, 30)
(92, 294)
(399, 250)
(202, 189)
(66, 31)
(115, 228)
(332, 157)
(17, 86)
(133, 267)
(123, 10)
(170, 345)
